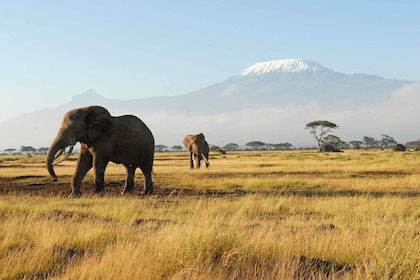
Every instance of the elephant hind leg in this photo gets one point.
(148, 183)
(129, 180)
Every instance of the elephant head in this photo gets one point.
(82, 125)
(198, 149)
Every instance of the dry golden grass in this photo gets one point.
(270, 215)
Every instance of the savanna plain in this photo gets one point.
(252, 215)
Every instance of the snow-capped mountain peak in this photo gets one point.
(282, 66)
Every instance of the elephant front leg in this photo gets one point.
(84, 164)
(100, 167)
(129, 180)
(191, 160)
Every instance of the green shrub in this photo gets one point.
(400, 148)
(329, 148)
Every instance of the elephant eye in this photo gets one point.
(72, 120)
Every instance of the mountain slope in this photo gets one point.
(285, 82)
(247, 106)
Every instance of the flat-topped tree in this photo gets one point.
(255, 145)
(319, 129)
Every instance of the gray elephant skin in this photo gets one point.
(198, 149)
(103, 138)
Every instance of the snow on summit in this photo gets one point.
(283, 66)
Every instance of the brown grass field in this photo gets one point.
(252, 215)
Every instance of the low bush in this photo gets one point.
(329, 148)
(400, 148)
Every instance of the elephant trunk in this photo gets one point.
(56, 146)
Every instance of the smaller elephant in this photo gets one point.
(198, 149)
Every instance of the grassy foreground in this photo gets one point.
(269, 215)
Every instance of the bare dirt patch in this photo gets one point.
(45, 187)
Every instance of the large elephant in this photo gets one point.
(198, 149)
(104, 138)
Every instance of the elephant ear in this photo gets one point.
(98, 120)
(199, 138)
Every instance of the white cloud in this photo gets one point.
(271, 125)
(231, 90)
(397, 117)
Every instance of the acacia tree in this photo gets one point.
(387, 141)
(231, 147)
(356, 144)
(43, 150)
(279, 146)
(177, 148)
(255, 145)
(370, 142)
(336, 142)
(319, 129)
(413, 144)
(27, 149)
(10, 150)
(160, 148)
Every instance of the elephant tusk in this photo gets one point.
(66, 155)
(205, 159)
(59, 153)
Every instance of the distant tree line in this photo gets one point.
(27, 150)
(258, 145)
(320, 128)
(253, 145)
(368, 142)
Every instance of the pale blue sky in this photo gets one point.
(53, 50)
